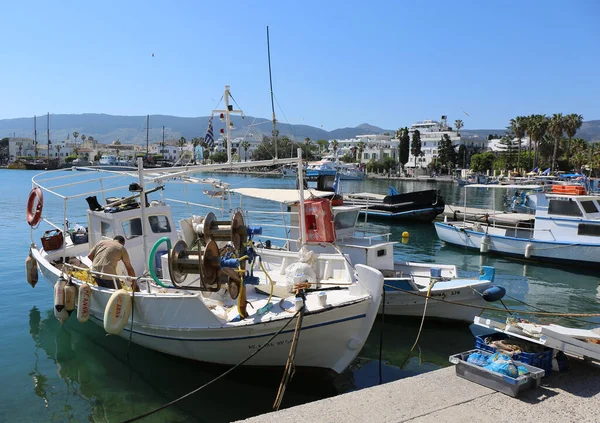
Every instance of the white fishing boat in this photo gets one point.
(408, 285)
(566, 228)
(194, 293)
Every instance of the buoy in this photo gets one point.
(59, 294)
(31, 270)
(528, 250)
(70, 294)
(485, 244)
(117, 312)
(493, 293)
(83, 302)
(405, 234)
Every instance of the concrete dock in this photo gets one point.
(441, 396)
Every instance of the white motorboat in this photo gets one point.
(566, 228)
(407, 284)
(197, 308)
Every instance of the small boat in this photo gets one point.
(330, 166)
(423, 206)
(566, 228)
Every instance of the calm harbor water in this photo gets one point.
(76, 372)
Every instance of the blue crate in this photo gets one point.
(542, 360)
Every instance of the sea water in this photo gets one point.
(76, 372)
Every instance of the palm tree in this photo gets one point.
(361, 147)
(517, 126)
(556, 129)
(91, 139)
(459, 124)
(82, 138)
(571, 124)
(334, 146)
(323, 144)
(58, 148)
(245, 145)
(75, 135)
(196, 142)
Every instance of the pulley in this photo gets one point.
(225, 230)
(205, 263)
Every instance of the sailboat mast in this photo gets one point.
(35, 149)
(147, 135)
(48, 136)
(227, 124)
(272, 102)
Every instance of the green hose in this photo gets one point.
(151, 260)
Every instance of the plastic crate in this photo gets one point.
(496, 381)
(52, 240)
(543, 360)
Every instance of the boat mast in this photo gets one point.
(225, 114)
(272, 103)
(48, 136)
(147, 137)
(35, 150)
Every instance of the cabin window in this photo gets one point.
(588, 229)
(132, 228)
(381, 253)
(589, 206)
(106, 230)
(159, 224)
(345, 220)
(564, 208)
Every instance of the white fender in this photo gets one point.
(485, 244)
(117, 312)
(59, 294)
(83, 302)
(70, 294)
(528, 250)
(31, 270)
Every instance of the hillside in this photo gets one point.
(132, 129)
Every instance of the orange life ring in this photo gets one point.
(34, 216)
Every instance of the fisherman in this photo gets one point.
(105, 257)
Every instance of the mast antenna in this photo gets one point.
(272, 103)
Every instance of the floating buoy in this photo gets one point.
(528, 250)
(493, 293)
(485, 244)
(70, 294)
(83, 302)
(117, 312)
(31, 270)
(59, 294)
(405, 234)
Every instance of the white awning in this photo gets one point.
(497, 186)
(286, 196)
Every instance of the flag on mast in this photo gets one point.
(209, 139)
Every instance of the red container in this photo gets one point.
(319, 221)
(52, 240)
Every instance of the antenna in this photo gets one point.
(272, 103)
(48, 126)
(35, 149)
(147, 137)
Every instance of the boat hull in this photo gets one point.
(565, 252)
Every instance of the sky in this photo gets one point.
(334, 63)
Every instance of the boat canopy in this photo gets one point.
(286, 196)
(496, 186)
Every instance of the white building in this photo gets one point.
(432, 133)
(375, 147)
(24, 147)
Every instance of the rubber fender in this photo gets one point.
(117, 312)
(493, 293)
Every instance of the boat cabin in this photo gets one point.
(572, 217)
(126, 219)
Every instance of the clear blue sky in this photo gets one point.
(335, 63)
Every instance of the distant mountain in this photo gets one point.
(132, 129)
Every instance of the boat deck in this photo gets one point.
(493, 216)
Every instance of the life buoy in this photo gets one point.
(83, 302)
(34, 216)
(117, 312)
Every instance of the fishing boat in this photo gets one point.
(566, 228)
(408, 285)
(423, 206)
(328, 166)
(195, 284)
